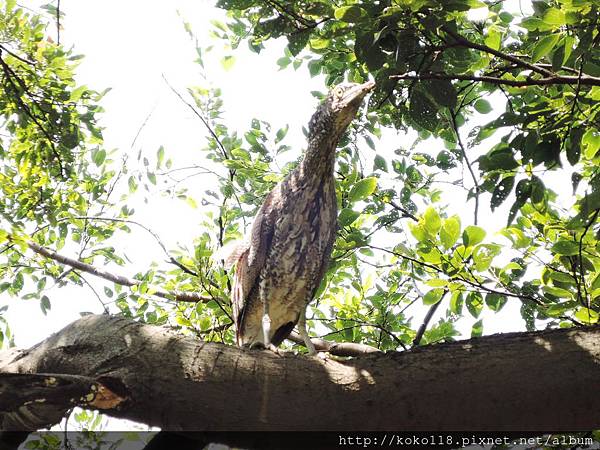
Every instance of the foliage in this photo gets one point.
(438, 73)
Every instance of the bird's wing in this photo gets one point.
(231, 252)
(252, 258)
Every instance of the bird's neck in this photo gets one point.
(319, 158)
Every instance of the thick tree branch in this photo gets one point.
(180, 383)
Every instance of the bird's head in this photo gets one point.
(338, 109)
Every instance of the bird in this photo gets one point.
(280, 265)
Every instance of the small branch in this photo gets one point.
(404, 211)
(474, 284)
(426, 320)
(58, 22)
(550, 80)
(580, 262)
(201, 117)
(460, 40)
(14, 55)
(336, 348)
(463, 151)
(88, 284)
(170, 258)
(117, 279)
(142, 126)
(281, 9)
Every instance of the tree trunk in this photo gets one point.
(548, 380)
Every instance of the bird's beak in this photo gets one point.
(358, 92)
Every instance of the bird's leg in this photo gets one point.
(266, 322)
(304, 334)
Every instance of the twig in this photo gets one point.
(117, 279)
(460, 40)
(404, 211)
(468, 163)
(200, 116)
(14, 55)
(58, 22)
(88, 284)
(550, 80)
(142, 126)
(581, 268)
(426, 320)
(281, 9)
(474, 284)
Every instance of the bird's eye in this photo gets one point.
(339, 91)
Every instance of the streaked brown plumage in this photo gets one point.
(281, 265)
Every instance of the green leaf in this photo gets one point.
(473, 235)
(297, 42)
(227, 62)
(544, 46)
(495, 301)
(380, 163)
(443, 92)
(160, 156)
(477, 329)
(493, 39)
(433, 296)
(350, 14)
(77, 93)
(45, 304)
(484, 254)
(456, 302)
(554, 17)
(431, 221)
(98, 157)
(362, 189)
(474, 303)
(132, 184)
(502, 191)
(586, 315)
(482, 106)
(347, 216)
(423, 110)
(450, 231)
(281, 133)
(565, 247)
(503, 159)
(283, 62)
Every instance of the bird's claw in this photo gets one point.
(274, 349)
(323, 356)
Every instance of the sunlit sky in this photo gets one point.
(129, 46)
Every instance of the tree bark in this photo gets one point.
(548, 380)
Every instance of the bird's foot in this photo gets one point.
(324, 356)
(269, 347)
(274, 349)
